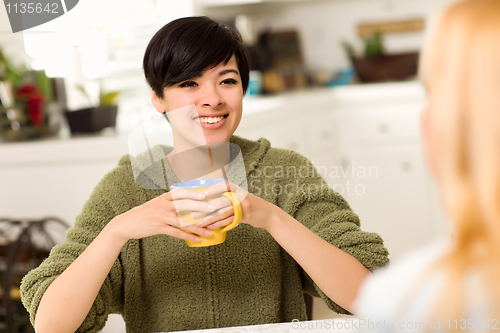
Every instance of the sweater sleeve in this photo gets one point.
(312, 202)
(96, 213)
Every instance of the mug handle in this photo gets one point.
(237, 211)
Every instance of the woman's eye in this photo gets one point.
(188, 84)
(229, 81)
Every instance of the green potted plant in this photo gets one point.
(94, 118)
(375, 65)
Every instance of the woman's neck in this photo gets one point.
(210, 161)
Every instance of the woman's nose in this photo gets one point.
(210, 96)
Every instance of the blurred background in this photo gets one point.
(334, 80)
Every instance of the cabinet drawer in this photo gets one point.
(323, 131)
(389, 190)
(288, 134)
(381, 124)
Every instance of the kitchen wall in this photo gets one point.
(11, 44)
(322, 24)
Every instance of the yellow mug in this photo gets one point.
(219, 234)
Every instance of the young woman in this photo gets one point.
(453, 285)
(126, 253)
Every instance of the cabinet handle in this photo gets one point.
(383, 128)
(293, 146)
(325, 135)
(344, 162)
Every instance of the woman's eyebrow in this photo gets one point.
(227, 71)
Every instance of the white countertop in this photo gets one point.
(54, 150)
(362, 94)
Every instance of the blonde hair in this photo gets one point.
(460, 67)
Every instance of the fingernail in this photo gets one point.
(208, 233)
(199, 223)
(201, 195)
(211, 226)
(212, 208)
(197, 239)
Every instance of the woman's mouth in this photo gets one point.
(211, 122)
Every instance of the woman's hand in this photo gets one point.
(159, 216)
(255, 211)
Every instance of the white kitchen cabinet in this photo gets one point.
(304, 122)
(389, 190)
(381, 124)
(54, 177)
(288, 134)
(323, 131)
(390, 186)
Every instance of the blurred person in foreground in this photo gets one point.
(453, 284)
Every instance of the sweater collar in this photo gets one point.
(152, 170)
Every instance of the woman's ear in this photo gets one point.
(157, 102)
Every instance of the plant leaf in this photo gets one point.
(84, 91)
(109, 99)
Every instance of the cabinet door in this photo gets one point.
(288, 134)
(381, 124)
(322, 131)
(49, 190)
(389, 190)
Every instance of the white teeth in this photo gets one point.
(209, 120)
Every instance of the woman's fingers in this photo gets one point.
(220, 188)
(161, 216)
(194, 229)
(218, 203)
(188, 231)
(182, 193)
(217, 216)
(220, 210)
(221, 223)
(181, 234)
(190, 200)
(197, 206)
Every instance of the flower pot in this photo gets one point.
(16, 126)
(394, 67)
(91, 120)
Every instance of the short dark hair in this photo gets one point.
(186, 47)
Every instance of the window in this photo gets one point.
(102, 42)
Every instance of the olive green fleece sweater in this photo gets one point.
(160, 284)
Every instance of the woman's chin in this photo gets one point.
(217, 139)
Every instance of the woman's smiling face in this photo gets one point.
(217, 97)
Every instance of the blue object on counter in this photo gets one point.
(342, 77)
(255, 83)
